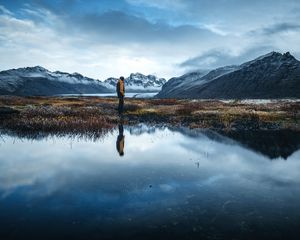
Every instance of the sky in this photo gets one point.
(167, 38)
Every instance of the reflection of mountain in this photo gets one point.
(141, 128)
(195, 133)
(273, 144)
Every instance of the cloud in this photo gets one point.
(116, 26)
(224, 16)
(280, 28)
(90, 43)
(5, 10)
(111, 38)
(209, 59)
(218, 58)
(22, 38)
(160, 4)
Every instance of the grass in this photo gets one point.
(95, 116)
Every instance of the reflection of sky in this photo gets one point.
(159, 171)
(25, 162)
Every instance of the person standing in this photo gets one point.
(121, 94)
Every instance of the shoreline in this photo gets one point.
(95, 115)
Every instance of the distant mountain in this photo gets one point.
(138, 82)
(39, 81)
(273, 75)
(176, 85)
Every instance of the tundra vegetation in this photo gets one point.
(94, 116)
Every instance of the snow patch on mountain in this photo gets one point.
(38, 80)
(35, 80)
(273, 75)
(138, 82)
(13, 78)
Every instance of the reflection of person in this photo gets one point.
(120, 140)
(121, 94)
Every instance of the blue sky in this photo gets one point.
(108, 38)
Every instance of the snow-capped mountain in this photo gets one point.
(40, 81)
(175, 85)
(138, 82)
(273, 75)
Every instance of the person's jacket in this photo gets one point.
(120, 88)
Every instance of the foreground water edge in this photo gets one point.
(169, 182)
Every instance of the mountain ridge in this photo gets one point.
(138, 82)
(38, 80)
(273, 75)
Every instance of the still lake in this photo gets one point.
(128, 95)
(169, 183)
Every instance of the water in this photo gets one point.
(128, 95)
(169, 184)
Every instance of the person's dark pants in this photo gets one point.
(121, 105)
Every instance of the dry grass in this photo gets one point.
(95, 115)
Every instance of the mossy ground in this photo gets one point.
(94, 115)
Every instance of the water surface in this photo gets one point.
(151, 182)
(128, 95)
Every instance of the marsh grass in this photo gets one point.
(59, 120)
(94, 116)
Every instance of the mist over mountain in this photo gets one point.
(40, 81)
(273, 75)
(138, 82)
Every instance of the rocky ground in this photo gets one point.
(95, 116)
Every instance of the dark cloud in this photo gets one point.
(218, 58)
(114, 26)
(280, 27)
(152, 35)
(224, 10)
(117, 26)
(55, 6)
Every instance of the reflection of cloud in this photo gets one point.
(166, 187)
(141, 129)
(48, 166)
(211, 180)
